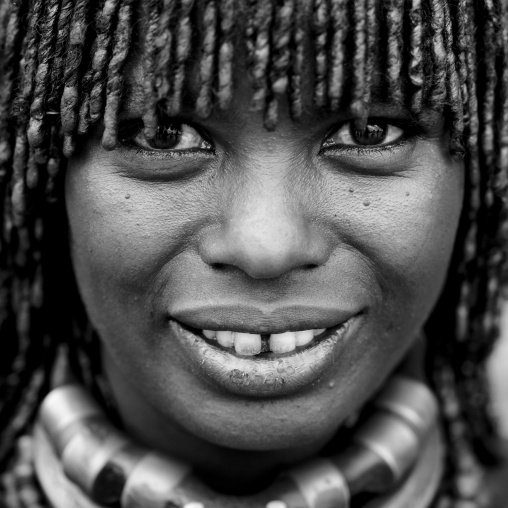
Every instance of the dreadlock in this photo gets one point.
(115, 76)
(225, 71)
(439, 91)
(357, 104)
(297, 61)
(208, 62)
(371, 19)
(280, 61)
(415, 62)
(395, 17)
(321, 20)
(182, 53)
(94, 80)
(61, 72)
(340, 26)
(70, 95)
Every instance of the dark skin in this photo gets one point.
(237, 228)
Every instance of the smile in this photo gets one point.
(251, 344)
(263, 365)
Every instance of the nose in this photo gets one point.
(266, 232)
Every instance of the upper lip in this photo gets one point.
(261, 319)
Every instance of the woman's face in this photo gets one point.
(227, 227)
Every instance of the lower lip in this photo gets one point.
(263, 376)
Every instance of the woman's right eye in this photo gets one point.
(169, 137)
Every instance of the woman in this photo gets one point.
(253, 233)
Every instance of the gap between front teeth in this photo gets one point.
(249, 344)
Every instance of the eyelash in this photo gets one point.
(411, 131)
(366, 150)
(131, 128)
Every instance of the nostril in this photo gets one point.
(219, 266)
(225, 266)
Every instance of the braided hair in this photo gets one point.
(61, 72)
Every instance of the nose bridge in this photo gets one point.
(266, 215)
(267, 230)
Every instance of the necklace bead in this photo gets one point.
(152, 481)
(276, 504)
(321, 484)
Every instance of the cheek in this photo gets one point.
(404, 231)
(123, 232)
(405, 228)
(414, 232)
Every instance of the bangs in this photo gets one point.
(336, 49)
(416, 51)
(72, 72)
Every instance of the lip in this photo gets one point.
(260, 319)
(264, 376)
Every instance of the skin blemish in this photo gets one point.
(239, 377)
(269, 379)
(127, 196)
(366, 203)
(351, 190)
(407, 193)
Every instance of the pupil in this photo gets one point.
(373, 134)
(166, 137)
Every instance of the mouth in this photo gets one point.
(263, 364)
(264, 345)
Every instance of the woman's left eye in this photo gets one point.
(174, 137)
(375, 134)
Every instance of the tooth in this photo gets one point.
(225, 339)
(319, 331)
(304, 337)
(209, 334)
(248, 344)
(283, 342)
